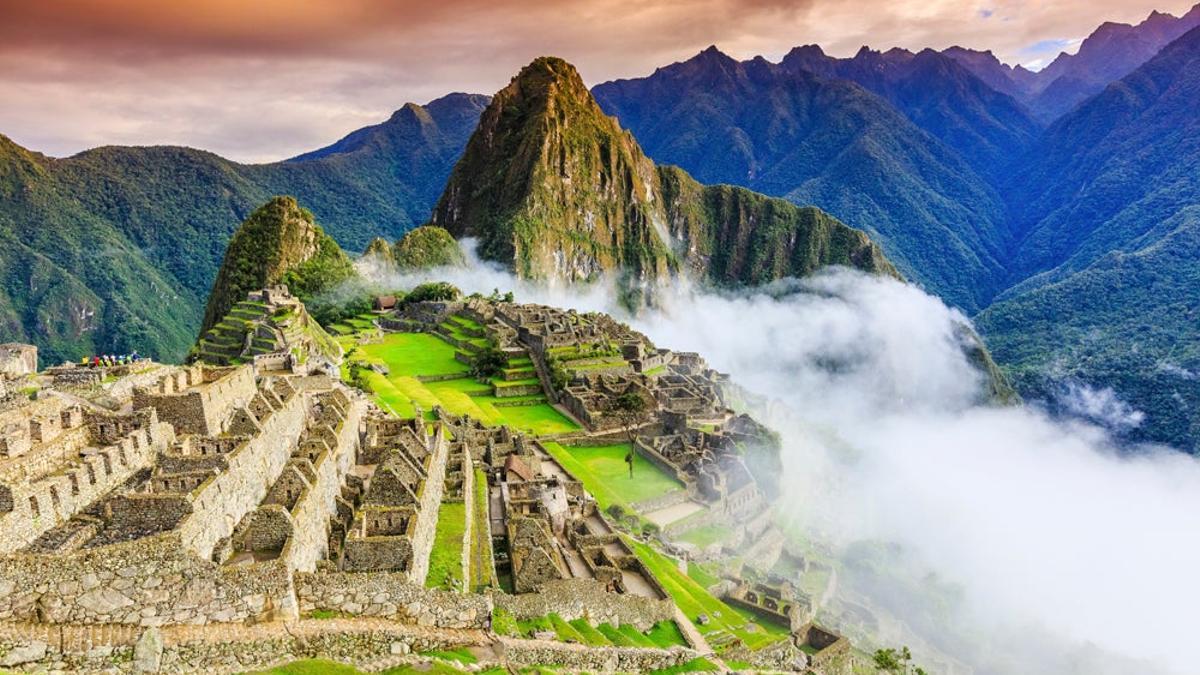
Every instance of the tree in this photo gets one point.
(896, 661)
(436, 291)
(631, 409)
(488, 363)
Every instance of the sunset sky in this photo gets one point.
(257, 81)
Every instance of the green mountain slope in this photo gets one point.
(827, 143)
(279, 243)
(1111, 217)
(115, 248)
(557, 190)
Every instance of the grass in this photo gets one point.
(481, 541)
(565, 631)
(462, 655)
(590, 635)
(706, 536)
(414, 354)
(694, 600)
(606, 475)
(445, 560)
(697, 665)
(615, 636)
(539, 420)
(410, 356)
(665, 634)
(702, 575)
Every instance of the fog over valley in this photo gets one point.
(966, 527)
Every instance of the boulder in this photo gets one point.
(21, 654)
(147, 653)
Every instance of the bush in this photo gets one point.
(488, 363)
(650, 529)
(616, 511)
(437, 291)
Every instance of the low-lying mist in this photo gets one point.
(1000, 538)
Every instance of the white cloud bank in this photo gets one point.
(1016, 543)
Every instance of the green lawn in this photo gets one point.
(414, 354)
(706, 536)
(410, 356)
(694, 600)
(542, 419)
(606, 475)
(445, 561)
(481, 540)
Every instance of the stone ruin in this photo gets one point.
(548, 527)
(708, 463)
(780, 602)
(203, 499)
(272, 330)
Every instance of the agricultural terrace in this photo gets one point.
(725, 622)
(421, 370)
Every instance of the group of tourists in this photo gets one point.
(109, 360)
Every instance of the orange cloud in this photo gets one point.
(271, 78)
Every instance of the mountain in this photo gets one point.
(1111, 52)
(1016, 81)
(984, 125)
(830, 143)
(557, 190)
(280, 243)
(427, 246)
(1109, 224)
(112, 249)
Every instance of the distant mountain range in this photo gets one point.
(1057, 207)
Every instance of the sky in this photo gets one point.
(268, 79)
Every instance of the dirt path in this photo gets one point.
(671, 514)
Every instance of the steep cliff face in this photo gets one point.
(553, 187)
(278, 243)
(557, 190)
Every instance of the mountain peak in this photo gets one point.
(279, 242)
(557, 190)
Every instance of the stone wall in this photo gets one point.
(221, 501)
(198, 400)
(427, 515)
(318, 503)
(474, 520)
(150, 582)
(390, 595)
(587, 599)
(605, 660)
(219, 649)
(46, 489)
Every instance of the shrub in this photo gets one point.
(488, 363)
(438, 291)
